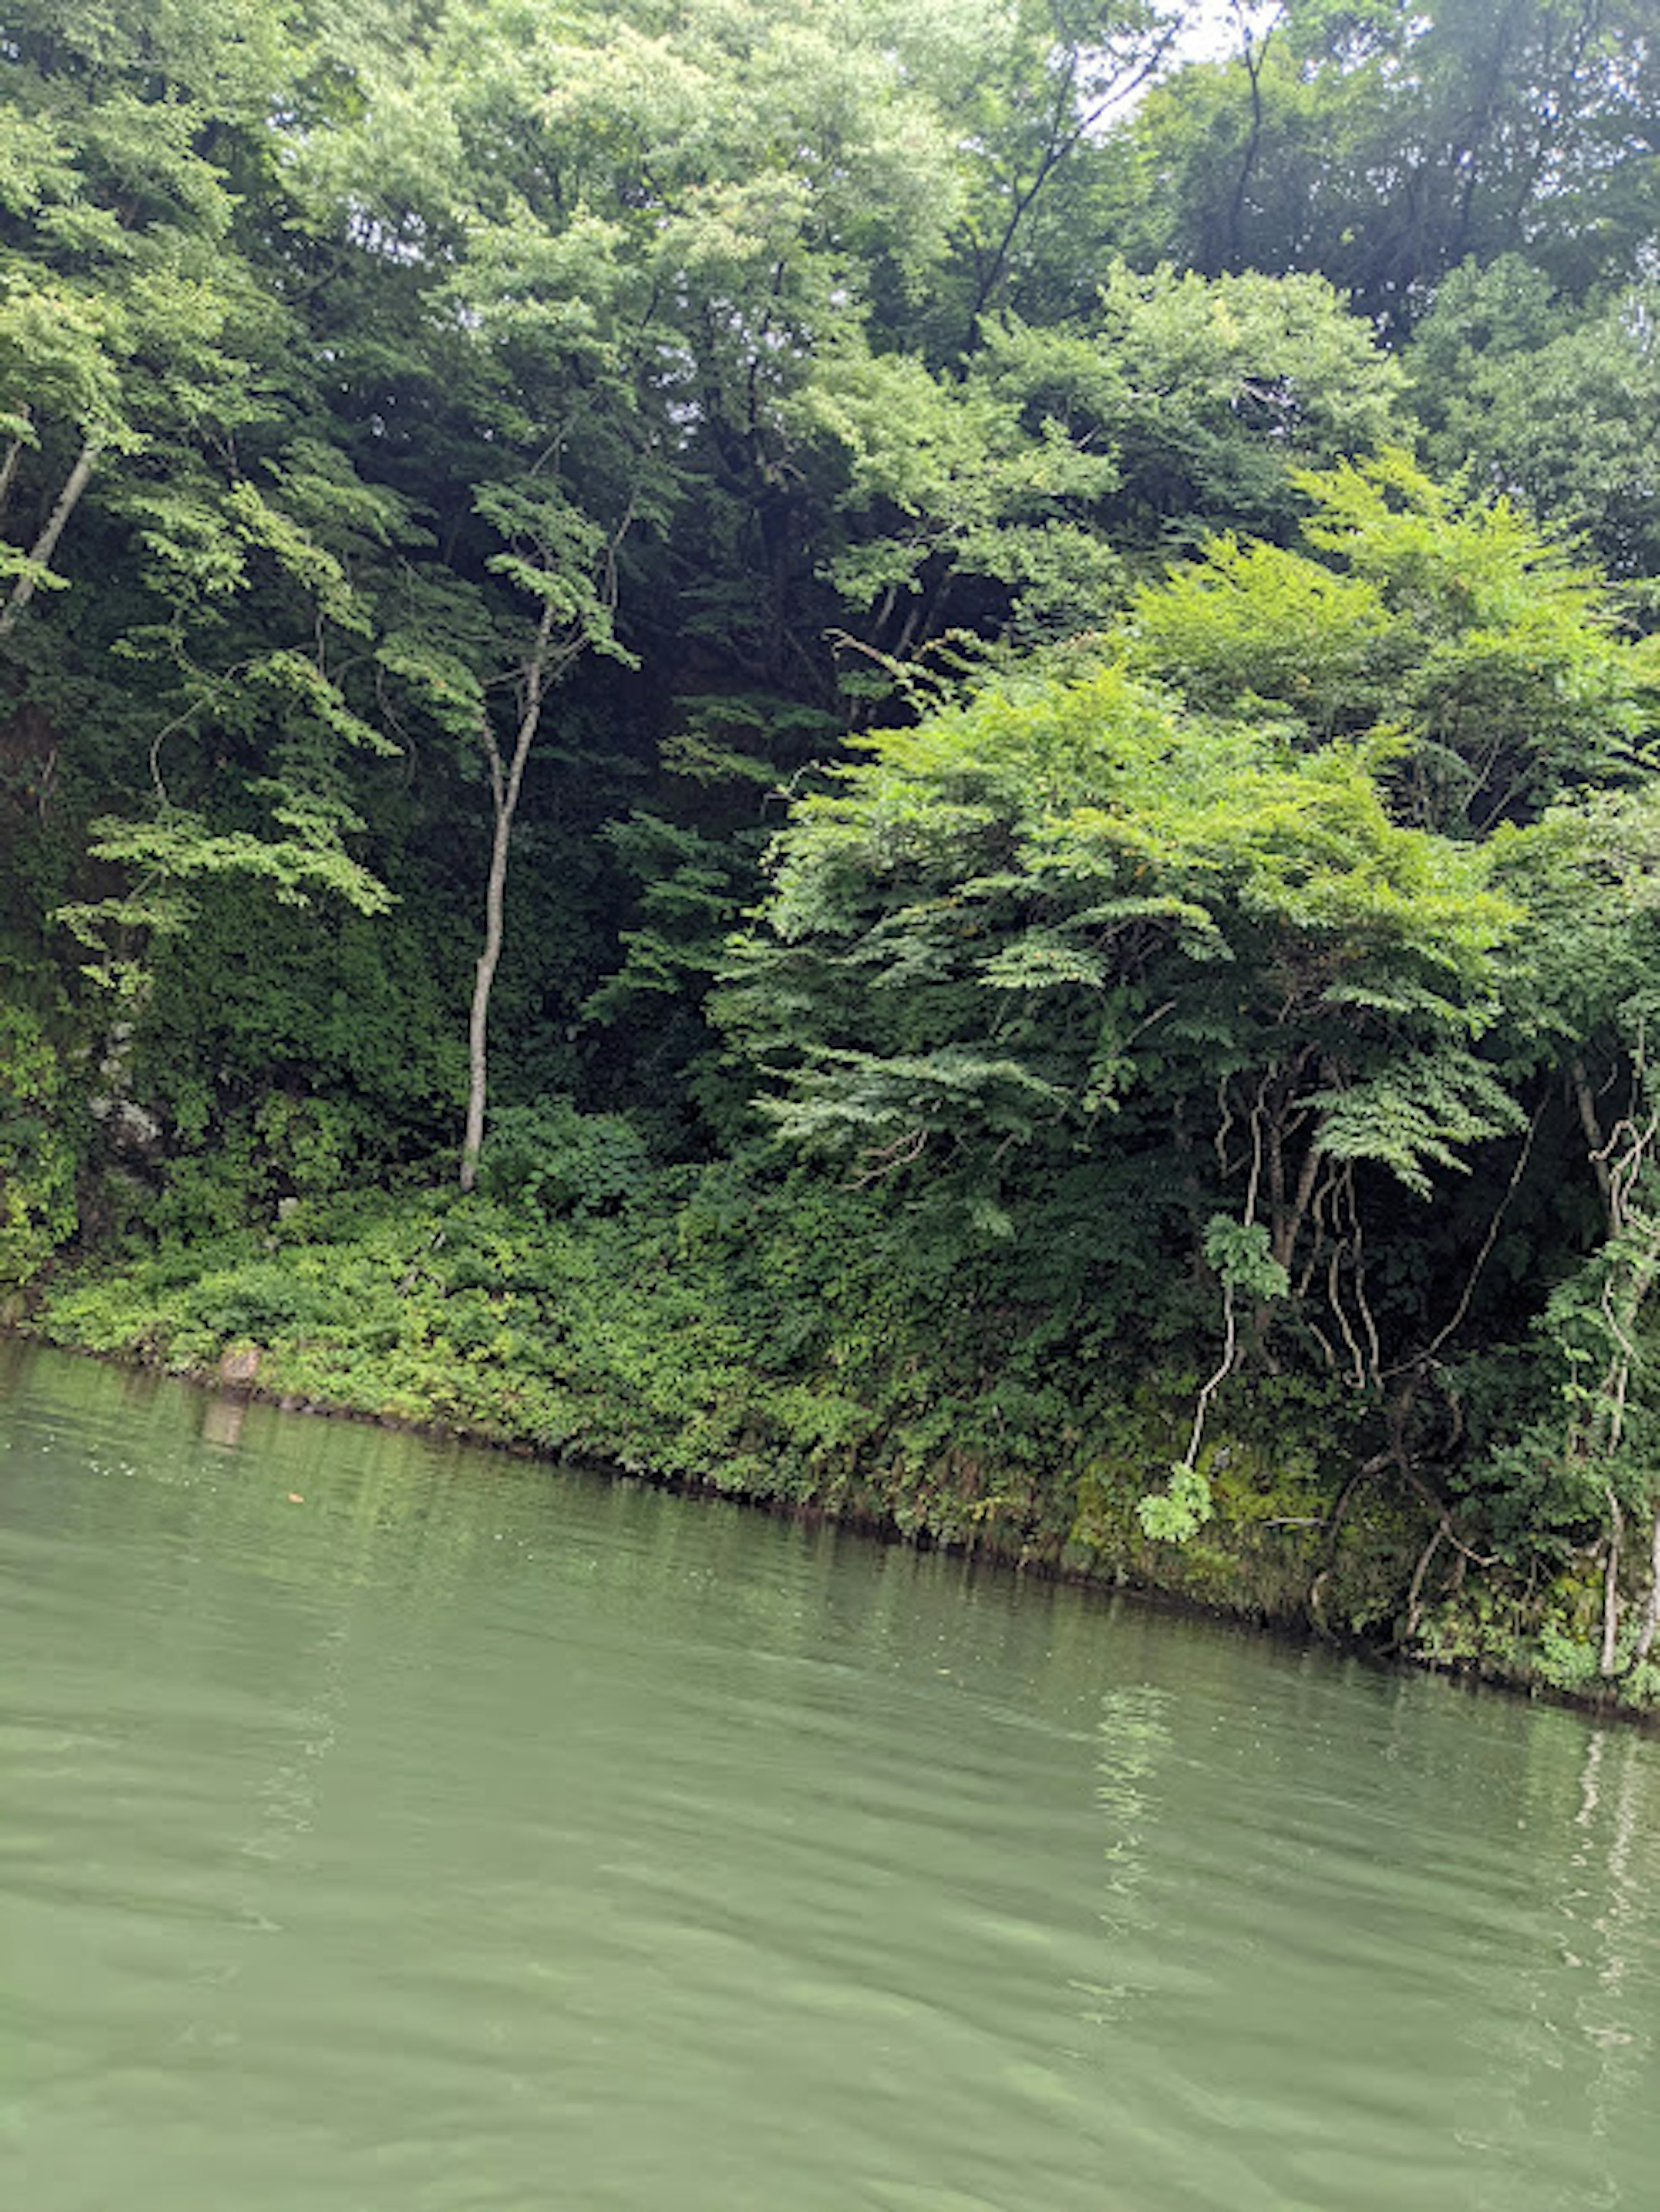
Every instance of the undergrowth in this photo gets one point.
(786, 1341)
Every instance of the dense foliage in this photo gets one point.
(902, 757)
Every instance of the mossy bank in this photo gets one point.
(791, 1349)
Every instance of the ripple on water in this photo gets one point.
(479, 1836)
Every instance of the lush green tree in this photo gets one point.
(1030, 89)
(1079, 916)
(1252, 909)
(1384, 145)
(1455, 629)
(1018, 498)
(1556, 1417)
(1003, 508)
(1555, 402)
(1208, 395)
(167, 494)
(646, 228)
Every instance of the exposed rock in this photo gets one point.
(133, 1132)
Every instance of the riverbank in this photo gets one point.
(707, 1349)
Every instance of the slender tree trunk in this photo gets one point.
(1064, 138)
(1252, 57)
(1611, 1588)
(1288, 1220)
(1224, 1368)
(504, 795)
(9, 471)
(1596, 1149)
(1651, 1611)
(46, 545)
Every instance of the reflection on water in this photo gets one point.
(394, 1828)
(1607, 1941)
(223, 1413)
(1133, 1735)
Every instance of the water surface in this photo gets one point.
(390, 1827)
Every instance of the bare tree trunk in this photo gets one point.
(1611, 1586)
(504, 796)
(46, 545)
(1651, 1611)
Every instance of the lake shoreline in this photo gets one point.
(1290, 1626)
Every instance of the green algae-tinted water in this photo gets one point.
(469, 1835)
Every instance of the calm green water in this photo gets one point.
(472, 1836)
